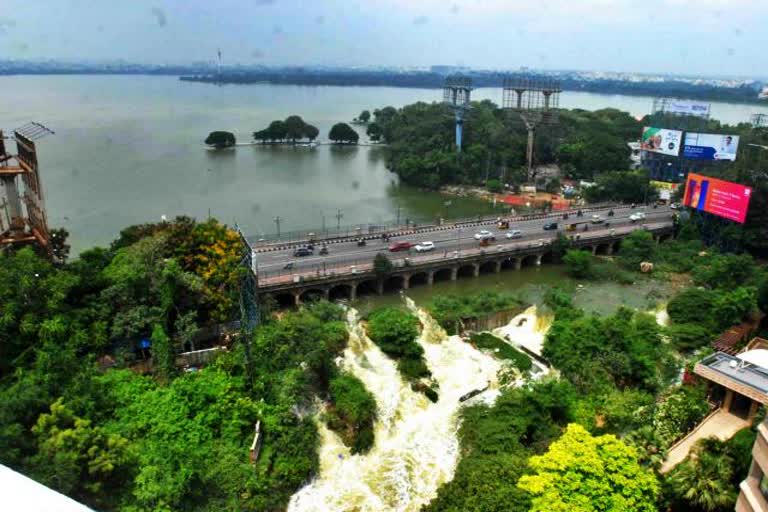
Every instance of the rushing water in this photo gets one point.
(128, 149)
(416, 448)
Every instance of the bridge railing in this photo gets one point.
(364, 265)
(367, 230)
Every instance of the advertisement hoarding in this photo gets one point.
(710, 146)
(660, 140)
(722, 198)
(688, 108)
(665, 189)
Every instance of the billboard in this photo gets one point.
(660, 140)
(688, 108)
(710, 146)
(718, 197)
(665, 189)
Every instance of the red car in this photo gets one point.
(400, 246)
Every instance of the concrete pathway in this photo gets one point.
(722, 425)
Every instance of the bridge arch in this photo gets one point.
(341, 291)
(313, 294)
(489, 267)
(419, 278)
(367, 288)
(468, 270)
(284, 300)
(394, 283)
(442, 274)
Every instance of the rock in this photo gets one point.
(646, 267)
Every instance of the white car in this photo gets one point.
(514, 233)
(637, 216)
(425, 247)
(596, 219)
(484, 235)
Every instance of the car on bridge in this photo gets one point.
(637, 216)
(425, 247)
(596, 219)
(550, 226)
(515, 233)
(302, 251)
(484, 235)
(400, 246)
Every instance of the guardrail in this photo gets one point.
(322, 272)
(372, 231)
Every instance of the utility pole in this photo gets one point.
(398, 214)
(339, 216)
(277, 223)
(325, 233)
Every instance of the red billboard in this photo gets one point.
(718, 197)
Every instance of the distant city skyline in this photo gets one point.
(682, 37)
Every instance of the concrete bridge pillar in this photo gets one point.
(475, 269)
(353, 291)
(454, 273)
(518, 263)
(538, 259)
(430, 277)
(609, 249)
(594, 250)
(327, 293)
(497, 266)
(297, 297)
(380, 287)
(406, 281)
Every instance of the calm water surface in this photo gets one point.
(128, 149)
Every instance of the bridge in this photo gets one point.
(347, 272)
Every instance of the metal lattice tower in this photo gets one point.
(249, 301)
(456, 93)
(759, 120)
(535, 100)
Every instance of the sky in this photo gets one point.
(701, 37)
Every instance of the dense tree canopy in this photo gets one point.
(292, 129)
(581, 473)
(342, 133)
(220, 139)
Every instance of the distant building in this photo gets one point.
(753, 491)
(448, 70)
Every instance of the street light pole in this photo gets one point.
(339, 215)
(277, 222)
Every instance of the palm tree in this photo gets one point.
(703, 480)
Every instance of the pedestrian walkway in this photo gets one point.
(721, 425)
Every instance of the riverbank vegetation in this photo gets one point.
(220, 139)
(79, 416)
(501, 349)
(450, 311)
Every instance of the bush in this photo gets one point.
(692, 306)
(637, 247)
(688, 337)
(494, 186)
(449, 310)
(394, 331)
(578, 263)
(354, 412)
(220, 139)
(502, 350)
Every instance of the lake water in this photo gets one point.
(128, 149)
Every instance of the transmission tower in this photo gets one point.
(535, 100)
(456, 91)
(23, 217)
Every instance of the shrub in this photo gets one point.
(578, 263)
(502, 350)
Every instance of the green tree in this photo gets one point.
(622, 186)
(342, 133)
(163, 354)
(704, 480)
(578, 263)
(59, 246)
(581, 473)
(353, 413)
(311, 132)
(726, 271)
(689, 337)
(294, 128)
(382, 266)
(220, 139)
(364, 116)
(374, 131)
(277, 131)
(638, 246)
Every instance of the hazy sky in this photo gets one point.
(711, 37)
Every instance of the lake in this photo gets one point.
(128, 149)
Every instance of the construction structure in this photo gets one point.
(456, 93)
(759, 120)
(249, 301)
(23, 218)
(535, 100)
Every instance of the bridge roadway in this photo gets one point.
(447, 240)
(347, 279)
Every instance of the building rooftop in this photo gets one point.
(739, 373)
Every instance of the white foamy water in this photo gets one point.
(662, 317)
(416, 448)
(527, 329)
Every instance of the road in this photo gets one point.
(446, 241)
